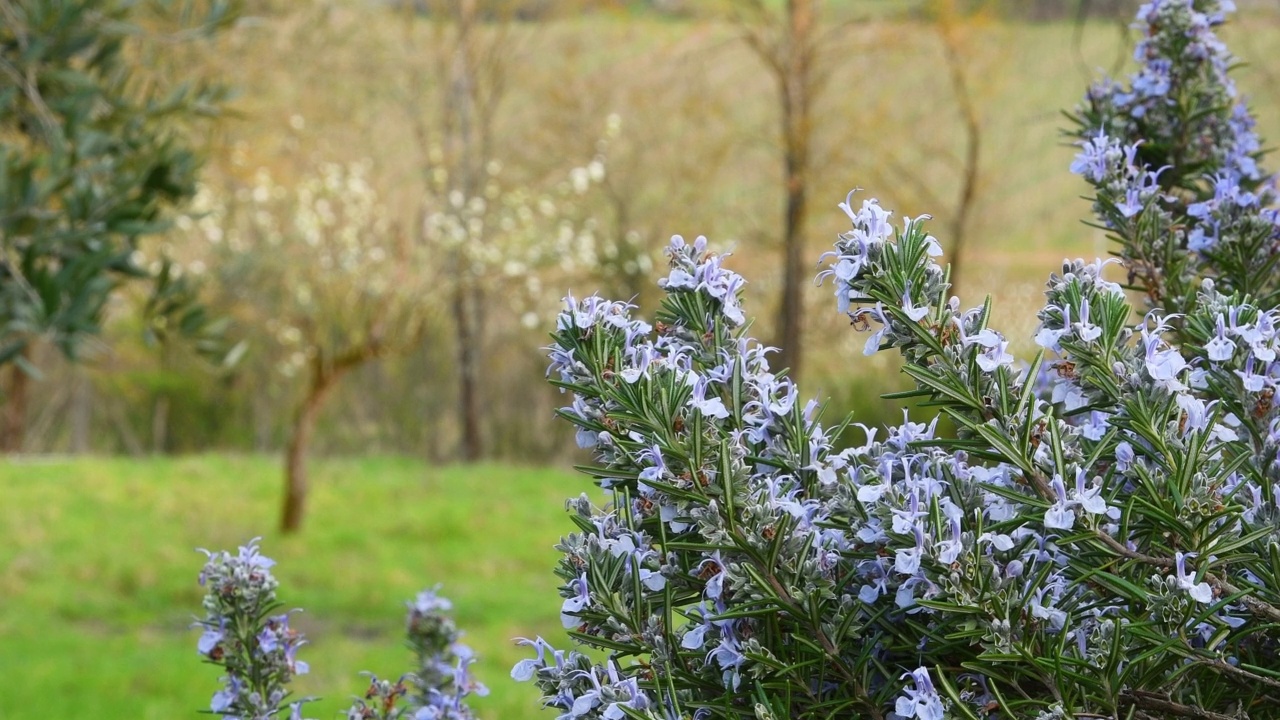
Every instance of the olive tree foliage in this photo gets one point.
(95, 149)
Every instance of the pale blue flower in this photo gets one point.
(711, 407)
(1089, 497)
(575, 603)
(1252, 381)
(921, 701)
(1060, 516)
(948, 551)
(1047, 337)
(1087, 331)
(873, 343)
(527, 668)
(715, 583)
(1094, 158)
(1124, 456)
(907, 560)
(1200, 592)
(1220, 348)
(209, 639)
(1164, 365)
(915, 313)
(694, 639)
(1047, 609)
(995, 357)
(224, 698)
(1096, 426)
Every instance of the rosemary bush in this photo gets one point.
(249, 638)
(1097, 537)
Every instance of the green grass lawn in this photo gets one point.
(98, 568)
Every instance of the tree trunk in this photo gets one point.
(15, 407)
(160, 425)
(81, 412)
(120, 423)
(794, 81)
(462, 119)
(295, 457)
(791, 313)
(160, 408)
(973, 152)
(263, 424)
(468, 373)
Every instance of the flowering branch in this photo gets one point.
(1175, 162)
(246, 638)
(258, 648)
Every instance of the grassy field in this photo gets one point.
(98, 568)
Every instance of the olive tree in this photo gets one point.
(94, 150)
(323, 280)
(319, 278)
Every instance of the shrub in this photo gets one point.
(1098, 537)
(247, 636)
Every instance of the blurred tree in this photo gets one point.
(665, 162)
(788, 42)
(470, 70)
(325, 283)
(322, 281)
(947, 23)
(493, 230)
(951, 19)
(941, 168)
(1065, 9)
(802, 43)
(176, 322)
(93, 150)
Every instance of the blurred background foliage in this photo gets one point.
(633, 120)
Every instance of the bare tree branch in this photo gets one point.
(787, 47)
(959, 223)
